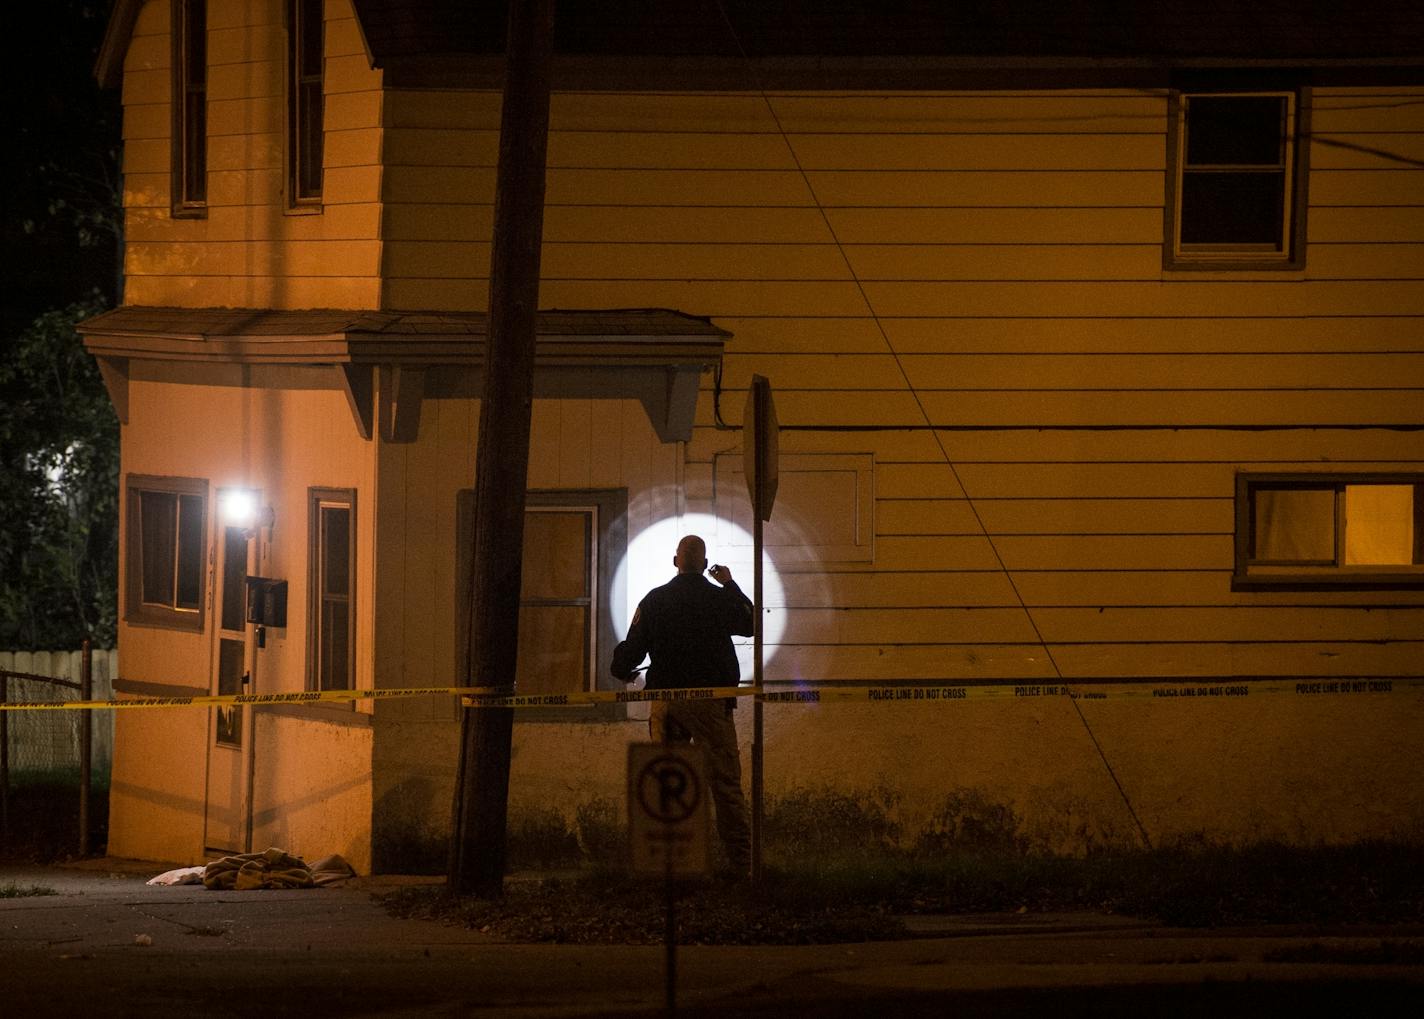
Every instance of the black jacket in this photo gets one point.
(687, 627)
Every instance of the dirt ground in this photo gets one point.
(109, 944)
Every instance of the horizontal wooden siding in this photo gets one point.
(970, 286)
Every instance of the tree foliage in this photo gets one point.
(59, 467)
(61, 182)
(59, 449)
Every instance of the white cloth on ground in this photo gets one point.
(180, 876)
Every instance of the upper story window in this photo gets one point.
(1237, 181)
(190, 107)
(166, 551)
(1358, 530)
(304, 99)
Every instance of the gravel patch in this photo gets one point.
(593, 912)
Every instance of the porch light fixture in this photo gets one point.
(239, 507)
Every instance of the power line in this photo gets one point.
(939, 441)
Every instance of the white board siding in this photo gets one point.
(1010, 245)
(1011, 285)
(421, 480)
(248, 251)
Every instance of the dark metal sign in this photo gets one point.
(667, 809)
(760, 432)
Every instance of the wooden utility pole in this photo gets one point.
(477, 844)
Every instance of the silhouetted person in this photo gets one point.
(687, 627)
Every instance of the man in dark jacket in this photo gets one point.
(687, 627)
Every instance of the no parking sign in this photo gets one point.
(667, 809)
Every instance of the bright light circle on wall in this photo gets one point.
(649, 565)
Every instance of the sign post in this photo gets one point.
(759, 445)
(668, 827)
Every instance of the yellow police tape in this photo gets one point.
(930, 693)
(822, 693)
(208, 700)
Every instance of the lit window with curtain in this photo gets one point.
(1359, 530)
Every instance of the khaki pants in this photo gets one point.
(709, 724)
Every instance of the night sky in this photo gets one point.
(63, 136)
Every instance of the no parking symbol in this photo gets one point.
(667, 809)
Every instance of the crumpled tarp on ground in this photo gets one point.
(273, 869)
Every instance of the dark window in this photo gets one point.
(190, 107)
(574, 542)
(1235, 179)
(231, 659)
(232, 620)
(332, 628)
(1320, 529)
(166, 551)
(234, 580)
(558, 599)
(304, 101)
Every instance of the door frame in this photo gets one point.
(236, 760)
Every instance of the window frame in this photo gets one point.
(319, 499)
(1247, 574)
(534, 505)
(611, 548)
(1291, 255)
(300, 156)
(137, 612)
(189, 186)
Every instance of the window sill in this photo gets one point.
(1313, 579)
(1225, 262)
(140, 688)
(159, 620)
(305, 209)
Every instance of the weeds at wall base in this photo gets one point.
(1366, 882)
(826, 849)
(832, 897)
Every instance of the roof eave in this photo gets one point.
(608, 338)
(109, 64)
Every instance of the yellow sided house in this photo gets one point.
(1097, 344)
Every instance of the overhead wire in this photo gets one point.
(939, 441)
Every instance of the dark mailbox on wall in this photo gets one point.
(267, 601)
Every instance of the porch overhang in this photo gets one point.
(386, 362)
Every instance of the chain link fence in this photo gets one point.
(43, 757)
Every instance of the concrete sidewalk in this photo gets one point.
(335, 951)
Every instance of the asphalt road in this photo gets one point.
(330, 952)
